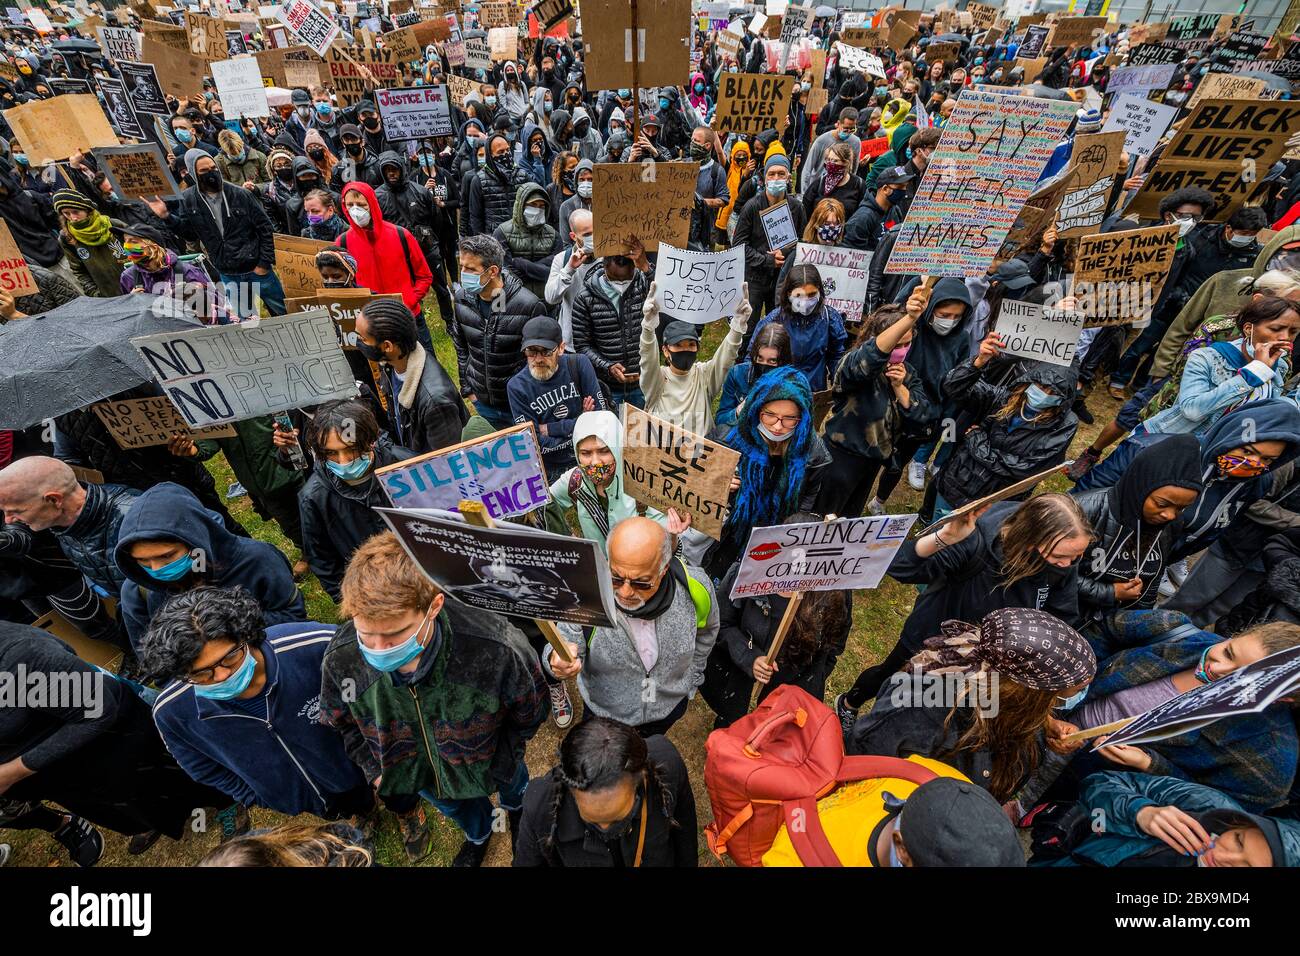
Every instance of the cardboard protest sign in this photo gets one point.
(503, 470)
(459, 87)
(227, 373)
(984, 15)
(207, 35)
(418, 112)
(665, 466)
(1038, 332)
(1225, 146)
(165, 34)
(1035, 41)
(1142, 121)
(662, 51)
(503, 43)
(843, 272)
(51, 130)
(153, 420)
(1082, 210)
(137, 172)
(1141, 79)
(343, 306)
(508, 569)
(699, 287)
(495, 13)
(1030, 69)
(295, 263)
(778, 226)
(119, 43)
(180, 73)
(309, 25)
(859, 61)
(901, 33)
(1150, 54)
(1118, 275)
(1248, 690)
(1225, 86)
(752, 102)
(651, 202)
(1010, 491)
(1096, 155)
(942, 52)
(1078, 31)
(290, 67)
(15, 277)
(794, 26)
(841, 555)
(99, 653)
(728, 40)
(478, 56)
(239, 86)
(406, 46)
(350, 83)
(552, 12)
(988, 160)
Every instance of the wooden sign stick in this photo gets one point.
(636, 78)
(1104, 729)
(476, 514)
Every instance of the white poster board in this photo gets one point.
(239, 87)
(415, 113)
(844, 275)
(699, 287)
(1142, 121)
(1039, 332)
(778, 225)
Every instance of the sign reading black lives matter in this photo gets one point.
(227, 373)
(508, 569)
(845, 554)
(1248, 690)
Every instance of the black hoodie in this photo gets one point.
(31, 219)
(408, 203)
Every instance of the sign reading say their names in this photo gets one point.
(1038, 332)
(503, 470)
(665, 466)
(752, 102)
(152, 420)
(844, 275)
(418, 112)
(840, 555)
(228, 373)
(699, 287)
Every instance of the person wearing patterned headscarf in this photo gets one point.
(980, 697)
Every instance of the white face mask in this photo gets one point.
(1240, 241)
(944, 326)
(534, 216)
(589, 244)
(619, 285)
(584, 189)
(804, 304)
(1184, 225)
(304, 112)
(360, 215)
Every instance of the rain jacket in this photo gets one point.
(388, 257)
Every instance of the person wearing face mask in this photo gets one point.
(834, 182)
(649, 144)
(768, 349)
(323, 222)
(843, 133)
(817, 335)
(347, 446)
(358, 164)
(92, 243)
(711, 190)
(321, 154)
(562, 188)
(569, 267)
(677, 122)
(371, 127)
(324, 120)
(535, 154)
(736, 176)
(583, 177)
(233, 229)
(699, 98)
(239, 163)
(879, 212)
(762, 264)
(590, 809)
(280, 188)
(32, 220)
(154, 269)
(665, 625)
(216, 656)
(490, 190)
(470, 135)
(408, 203)
(409, 665)
(586, 138)
(606, 313)
(529, 241)
(300, 120)
(513, 95)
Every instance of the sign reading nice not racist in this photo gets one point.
(227, 373)
(699, 287)
(503, 470)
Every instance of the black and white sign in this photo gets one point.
(120, 43)
(118, 107)
(60, 85)
(778, 225)
(141, 81)
(1035, 37)
(1038, 332)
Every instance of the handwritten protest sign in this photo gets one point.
(1118, 275)
(1142, 121)
(855, 60)
(942, 52)
(503, 470)
(309, 25)
(862, 38)
(1150, 54)
(552, 12)
(844, 275)
(845, 554)
(137, 172)
(508, 569)
(350, 83)
(663, 54)
(228, 373)
(778, 226)
(153, 420)
(239, 84)
(990, 155)
(665, 466)
(794, 26)
(293, 66)
(1010, 491)
(15, 277)
(295, 263)
(343, 306)
(119, 43)
(419, 112)
(51, 130)
(728, 40)
(1082, 210)
(1034, 42)
(1225, 86)
(752, 102)
(1038, 332)
(1224, 146)
(1076, 30)
(699, 287)
(1141, 79)
(650, 202)
(207, 35)
(478, 55)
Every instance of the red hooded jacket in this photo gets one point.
(388, 257)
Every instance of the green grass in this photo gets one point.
(878, 618)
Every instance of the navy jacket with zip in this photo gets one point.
(279, 757)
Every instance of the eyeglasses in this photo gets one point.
(618, 581)
(771, 418)
(537, 353)
(233, 659)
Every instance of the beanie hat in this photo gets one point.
(1089, 120)
(71, 199)
(776, 159)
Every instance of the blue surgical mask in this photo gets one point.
(397, 656)
(548, 106)
(663, 103)
(172, 570)
(490, 100)
(625, 94)
(776, 187)
(471, 281)
(843, 136)
(324, 109)
(1071, 702)
(1039, 400)
(184, 135)
(235, 684)
(352, 470)
(771, 436)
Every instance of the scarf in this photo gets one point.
(93, 231)
(1031, 647)
(662, 599)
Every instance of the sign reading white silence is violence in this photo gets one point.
(503, 471)
(845, 554)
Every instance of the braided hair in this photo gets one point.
(598, 754)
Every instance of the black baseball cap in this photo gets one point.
(679, 331)
(895, 176)
(951, 822)
(542, 331)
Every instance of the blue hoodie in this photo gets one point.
(1223, 497)
(271, 750)
(169, 512)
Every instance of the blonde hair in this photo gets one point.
(1038, 525)
(382, 581)
(294, 845)
(821, 212)
(1274, 636)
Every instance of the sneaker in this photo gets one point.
(916, 474)
(1117, 392)
(471, 854)
(1167, 588)
(84, 842)
(415, 834)
(1178, 573)
(1083, 464)
(235, 821)
(366, 823)
(875, 507)
(236, 490)
(847, 715)
(561, 706)
(142, 841)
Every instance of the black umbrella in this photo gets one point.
(77, 45)
(1271, 80)
(951, 38)
(77, 354)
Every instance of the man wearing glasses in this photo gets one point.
(645, 670)
(241, 709)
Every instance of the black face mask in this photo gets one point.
(331, 284)
(307, 185)
(316, 154)
(285, 175)
(209, 181)
(371, 123)
(370, 352)
(354, 149)
(683, 360)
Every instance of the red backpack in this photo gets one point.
(778, 760)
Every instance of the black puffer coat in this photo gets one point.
(489, 350)
(490, 198)
(993, 454)
(90, 541)
(605, 334)
(407, 203)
